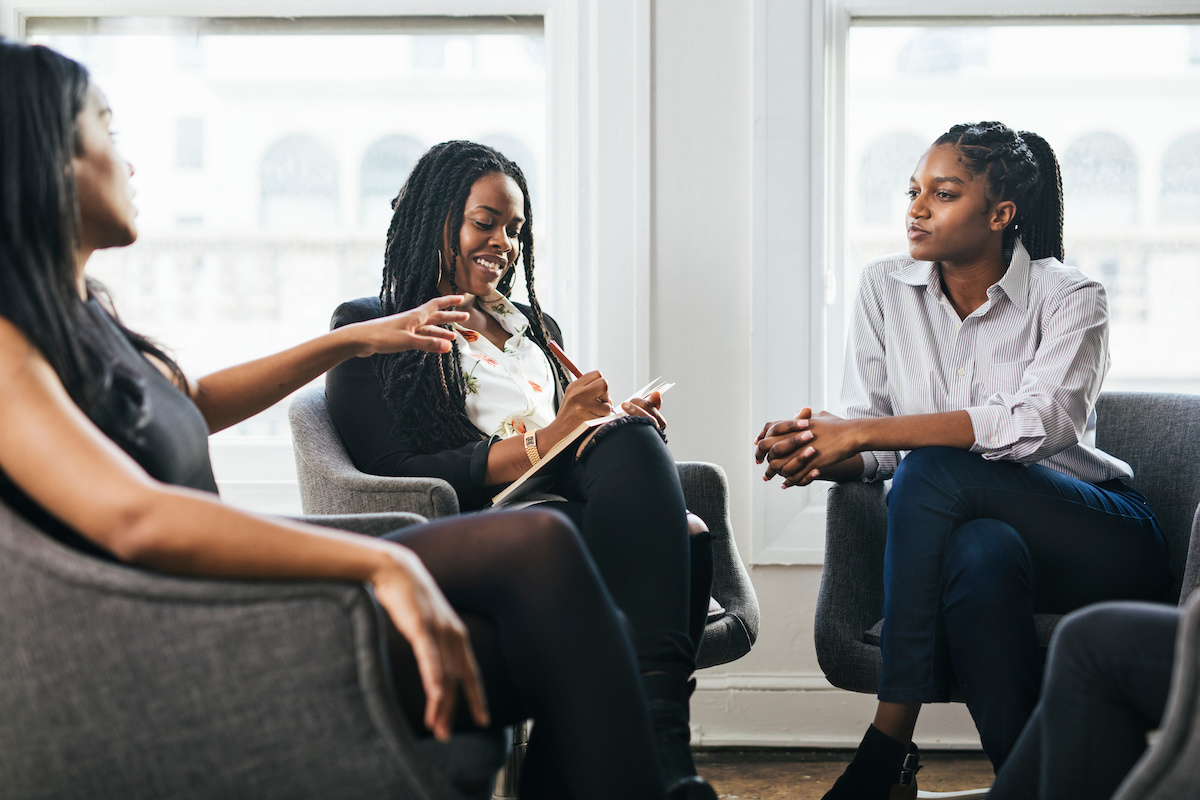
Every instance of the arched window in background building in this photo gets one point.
(886, 166)
(1100, 182)
(1179, 200)
(299, 184)
(385, 168)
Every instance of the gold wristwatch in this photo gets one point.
(531, 450)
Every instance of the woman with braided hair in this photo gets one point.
(479, 415)
(972, 373)
(104, 447)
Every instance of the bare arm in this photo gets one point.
(585, 398)
(231, 395)
(824, 446)
(54, 453)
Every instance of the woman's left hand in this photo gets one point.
(799, 448)
(646, 407)
(416, 329)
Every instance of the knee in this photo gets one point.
(633, 439)
(1083, 636)
(926, 462)
(986, 565)
(553, 537)
(928, 470)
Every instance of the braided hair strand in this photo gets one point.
(426, 393)
(1020, 167)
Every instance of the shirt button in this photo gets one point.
(958, 326)
(994, 440)
(961, 371)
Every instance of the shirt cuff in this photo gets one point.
(992, 427)
(870, 466)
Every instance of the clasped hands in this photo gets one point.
(800, 448)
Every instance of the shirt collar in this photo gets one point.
(1014, 283)
(506, 313)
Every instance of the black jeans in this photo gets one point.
(624, 495)
(1107, 678)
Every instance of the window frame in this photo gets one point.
(598, 72)
(798, 201)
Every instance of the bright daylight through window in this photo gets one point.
(266, 165)
(1117, 103)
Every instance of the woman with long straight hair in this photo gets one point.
(972, 373)
(103, 445)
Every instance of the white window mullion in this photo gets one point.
(789, 239)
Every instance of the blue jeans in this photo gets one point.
(974, 549)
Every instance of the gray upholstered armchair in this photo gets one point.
(1157, 434)
(331, 484)
(118, 682)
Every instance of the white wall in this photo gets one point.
(703, 126)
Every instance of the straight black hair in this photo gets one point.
(41, 96)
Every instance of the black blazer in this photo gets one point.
(362, 419)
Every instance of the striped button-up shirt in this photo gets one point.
(1026, 365)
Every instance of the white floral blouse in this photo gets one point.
(509, 391)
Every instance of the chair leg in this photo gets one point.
(508, 779)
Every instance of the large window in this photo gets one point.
(1118, 104)
(879, 81)
(266, 161)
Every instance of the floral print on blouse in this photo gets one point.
(510, 391)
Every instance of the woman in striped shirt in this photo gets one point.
(972, 375)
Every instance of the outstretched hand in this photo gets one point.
(416, 329)
(799, 448)
(439, 641)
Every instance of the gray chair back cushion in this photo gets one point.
(1158, 435)
(330, 483)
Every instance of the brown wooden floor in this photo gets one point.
(796, 774)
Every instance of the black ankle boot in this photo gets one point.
(882, 769)
(668, 704)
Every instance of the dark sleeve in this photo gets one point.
(362, 419)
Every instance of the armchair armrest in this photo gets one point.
(1191, 571)
(850, 600)
(118, 682)
(706, 491)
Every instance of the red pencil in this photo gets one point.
(561, 356)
